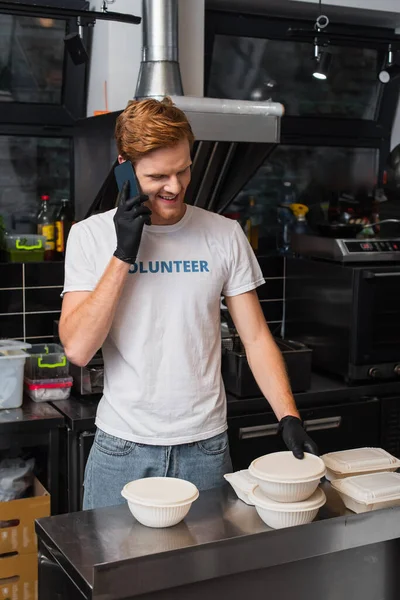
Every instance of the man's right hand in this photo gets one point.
(129, 220)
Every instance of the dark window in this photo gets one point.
(31, 59)
(314, 172)
(31, 166)
(250, 68)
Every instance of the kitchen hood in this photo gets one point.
(233, 137)
(212, 119)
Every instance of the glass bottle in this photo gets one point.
(45, 227)
(63, 223)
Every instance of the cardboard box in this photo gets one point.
(19, 577)
(19, 536)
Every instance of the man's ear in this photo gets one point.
(120, 159)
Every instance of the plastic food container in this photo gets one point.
(160, 501)
(46, 361)
(364, 493)
(25, 248)
(284, 478)
(358, 461)
(243, 483)
(12, 363)
(279, 515)
(43, 390)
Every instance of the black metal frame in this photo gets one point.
(23, 435)
(301, 130)
(58, 10)
(73, 96)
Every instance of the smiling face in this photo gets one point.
(164, 175)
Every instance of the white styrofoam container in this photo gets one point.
(279, 515)
(373, 491)
(160, 501)
(12, 364)
(358, 461)
(284, 478)
(243, 483)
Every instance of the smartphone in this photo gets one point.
(126, 172)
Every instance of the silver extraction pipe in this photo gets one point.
(159, 73)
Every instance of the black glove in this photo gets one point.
(129, 220)
(296, 438)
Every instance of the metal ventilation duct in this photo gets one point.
(233, 137)
(159, 74)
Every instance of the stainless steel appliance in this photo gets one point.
(347, 250)
(348, 313)
(89, 379)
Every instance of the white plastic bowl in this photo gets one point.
(279, 515)
(160, 501)
(284, 478)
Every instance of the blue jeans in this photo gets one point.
(113, 462)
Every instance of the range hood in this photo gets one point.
(233, 137)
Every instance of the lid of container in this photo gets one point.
(27, 242)
(160, 491)
(48, 384)
(13, 345)
(359, 459)
(371, 488)
(258, 498)
(283, 467)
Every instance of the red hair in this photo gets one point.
(147, 125)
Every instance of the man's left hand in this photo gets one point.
(296, 438)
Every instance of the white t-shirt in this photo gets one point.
(162, 380)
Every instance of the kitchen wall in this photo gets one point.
(117, 50)
(30, 300)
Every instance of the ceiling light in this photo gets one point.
(322, 66)
(389, 73)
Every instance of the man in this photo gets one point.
(148, 292)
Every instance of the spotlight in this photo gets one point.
(322, 67)
(389, 73)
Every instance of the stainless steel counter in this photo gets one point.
(109, 556)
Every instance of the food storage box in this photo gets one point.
(25, 247)
(369, 492)
(284, 478)
(43, 390)
(12, 362)
(358, 461)
(160, 501)
(46, 361)
(278, 515)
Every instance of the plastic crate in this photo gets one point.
(25, 247)
(46, 361)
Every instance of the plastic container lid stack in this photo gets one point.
(358, 461)
(365, 493)
(284, 478)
